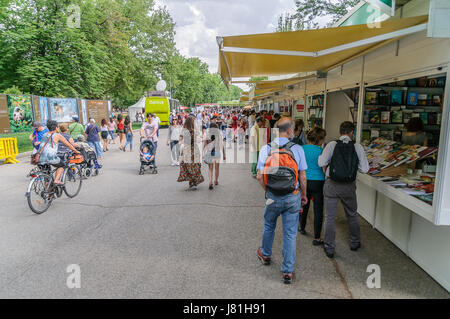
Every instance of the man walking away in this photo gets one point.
(93, 138)
(281, 171)
(76, 128)
(344, 158)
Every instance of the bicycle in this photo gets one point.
(42, 190)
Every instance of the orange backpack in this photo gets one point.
(281, 169)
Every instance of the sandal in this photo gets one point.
(211, 186)
(216, 183)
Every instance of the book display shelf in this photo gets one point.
(315, 110)
(407, 171)
(387, 108)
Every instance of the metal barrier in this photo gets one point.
(8, 150)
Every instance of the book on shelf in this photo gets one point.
(371, 97)
(388, 134)
(396, 97)
(424, 117)
(374, 133)
(437, 100)
(413, 98)
(439, 119)
(407, 115)
(365, 136)
(397, 117)
(374, 117)
(411, 82)
(385, 117)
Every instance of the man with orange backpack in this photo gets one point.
(282, 174)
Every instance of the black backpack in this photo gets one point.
(344, 163)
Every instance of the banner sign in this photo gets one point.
(4, 116)
(43, 106)
(84, 112)
(20, 113)
(97, 110)
(62, 110)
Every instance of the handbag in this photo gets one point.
(36, 157)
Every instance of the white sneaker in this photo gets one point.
(173, 164)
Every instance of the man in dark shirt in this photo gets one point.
(93, 138)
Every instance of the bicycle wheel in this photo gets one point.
(39, 194)
(72, 181)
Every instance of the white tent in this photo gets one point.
(136, 108)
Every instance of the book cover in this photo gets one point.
(432, 118)
(413, 98)
(374, 117)
(424, 117)
(374, 133)
(411, 82)
(385, 117)
(397, 97)
(365, 136)
(371, 97)
(397, 117)
(406, 116)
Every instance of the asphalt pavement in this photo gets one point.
(149, 237)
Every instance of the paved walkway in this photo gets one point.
(148, 237)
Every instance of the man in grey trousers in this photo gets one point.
(343, 191)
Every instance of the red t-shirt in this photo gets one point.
(235, 123)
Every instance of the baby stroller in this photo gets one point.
(144, 164)
(89, 166)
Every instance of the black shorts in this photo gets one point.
(104, 134)
(62, 162)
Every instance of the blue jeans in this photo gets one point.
(129, 141)
(288, 206)
(97, 147)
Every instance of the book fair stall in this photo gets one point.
(382, 89)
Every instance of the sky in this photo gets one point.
(198, 22)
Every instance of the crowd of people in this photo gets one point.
(295, 168)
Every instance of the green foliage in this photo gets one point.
(257, 78)
(308, 10)
(12, 90)
(115, 54)
(112, 55)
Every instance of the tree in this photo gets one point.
(114, 54)
(307, 11)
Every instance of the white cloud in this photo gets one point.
(198, 22)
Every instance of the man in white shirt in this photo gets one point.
(156, 120)
(342, 167)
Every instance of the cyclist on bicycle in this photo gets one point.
(49, 150)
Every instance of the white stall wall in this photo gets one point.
(338, 111)
(416, 53)
(346, 77)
